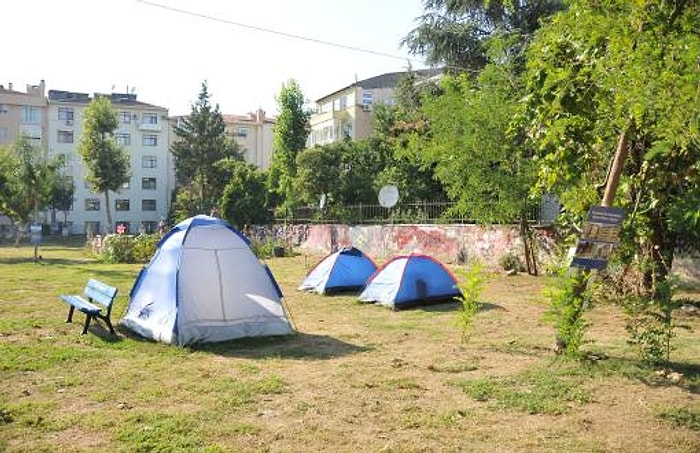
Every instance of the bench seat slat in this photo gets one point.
(81, 304)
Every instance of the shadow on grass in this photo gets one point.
(101, 331)
(649, 375)
(299, 346)
(451, 305)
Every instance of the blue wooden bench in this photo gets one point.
(95, 292)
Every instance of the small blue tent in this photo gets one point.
(205, 284)
(410, 280)
(345, 270)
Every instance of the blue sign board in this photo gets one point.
(600, 236)
(35, 233)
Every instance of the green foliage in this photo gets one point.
(145, 246)
(185, 204)
(457, 34)
(118, 248)
(267, 248)
(601, 70)
(537, 391)
(200, 147)
(472, 285)
(650, 323)
(568, 296)
(511, 262)
(345, 171)
(27, 178)
(483, 167)
(107, 163)
(291, 131)
(125, 248)
(243, 199)
(681, 417)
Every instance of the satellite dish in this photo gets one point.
(388, 196)
(322, 203)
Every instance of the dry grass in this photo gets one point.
(356, 377)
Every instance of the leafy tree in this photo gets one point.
(318, 172)
(291, 131)
(27, 179)
(456, 33)
(107, 162)
(202, 142)
(623, 75)
(62, 195)
(480, 164)
(624, 71)
(243, 200)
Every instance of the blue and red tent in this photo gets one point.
(345, 270)
(411, 280)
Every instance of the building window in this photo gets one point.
(367, 98)
(149, 227)
(65, 136)
(148, 183)
(241, 131)
(148, 205)
(149, 140)
(65, 114)
(92, 204)
(3, 109)
(127, 184)
(347, 130)
(149, 161)
(30, 114)
(123, 138)
(125, 117)
(92, 228)
(121, 204)
(149, 118)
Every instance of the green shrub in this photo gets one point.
(145, 246)
(267, 248)
(118, 248)
(511, 262)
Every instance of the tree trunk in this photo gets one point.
(108, 215)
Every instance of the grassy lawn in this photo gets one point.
(355, 378)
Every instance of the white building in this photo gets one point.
(144, 134)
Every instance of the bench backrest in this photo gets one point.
(100, 292)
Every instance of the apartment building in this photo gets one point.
(347, 112)
(255, 134)
(145, 135)
(23, 113)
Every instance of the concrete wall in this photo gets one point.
(447, 243)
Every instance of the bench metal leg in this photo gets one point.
(109, 324)
(87, 323)
(70, 314)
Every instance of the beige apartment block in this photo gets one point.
(347, 112)
(144, 133)
(23, 113)
(254, 133)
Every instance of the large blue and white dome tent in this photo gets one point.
(411, 280)
(345, 270)
(205, 284)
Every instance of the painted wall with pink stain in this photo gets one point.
(447, 243)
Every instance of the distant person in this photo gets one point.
(161, 227)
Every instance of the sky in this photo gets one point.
(163, 55)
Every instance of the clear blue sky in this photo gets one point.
(93, 45)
